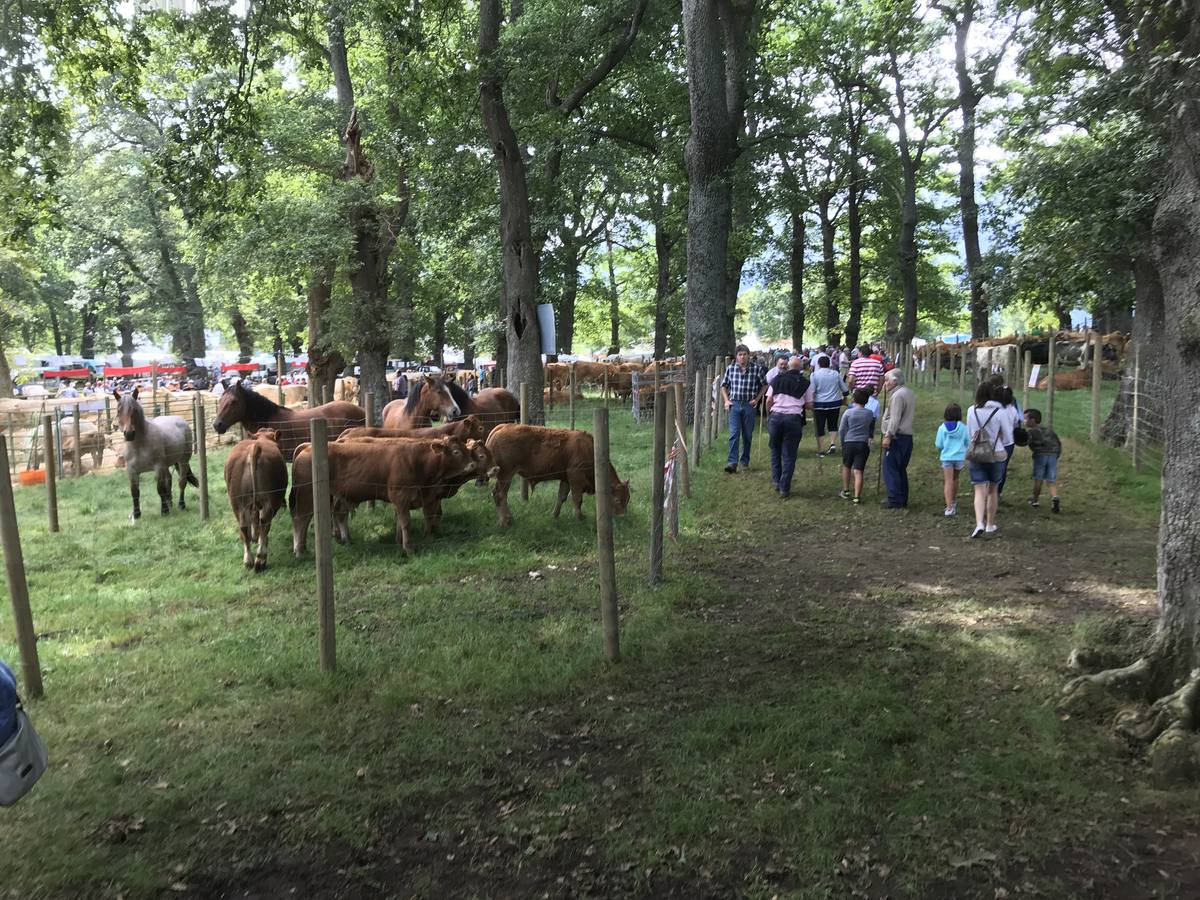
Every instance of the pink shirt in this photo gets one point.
(787, 405)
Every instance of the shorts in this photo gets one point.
(827, 420)
(987, 473)
(854, 454)
(1045, 467)
(955, 464)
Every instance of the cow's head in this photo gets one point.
(483, 464)
(267, 434)
(453, 454)
(620, 493)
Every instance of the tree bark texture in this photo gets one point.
(519, 258)
(906, 252)
(125, 344)
(968, 101)
(89, 322)
(570, 293)
(716, 35)
(854, 238)
(241, 334)
(664, 241)
(829, 273)
(325, 363)
(614, 306)
(1177, 244)
(796, 274)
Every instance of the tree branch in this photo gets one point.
(607, 63)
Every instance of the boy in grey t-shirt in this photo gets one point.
(855, 433)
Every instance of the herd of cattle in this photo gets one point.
(1072, 350)
(416, 468)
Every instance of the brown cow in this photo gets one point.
(548, 454)
(468, 428)
(1071, 380)
(256, 480)
(405, 472)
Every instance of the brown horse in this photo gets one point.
(255, 411)
(431, 399)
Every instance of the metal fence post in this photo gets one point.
(1135, 426)
(76, 455)
(524, 395)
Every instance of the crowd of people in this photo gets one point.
(792, 388)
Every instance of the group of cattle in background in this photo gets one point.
(430, 445)
(1072, 356)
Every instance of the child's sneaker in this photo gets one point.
(845, 495)
(1054, 507)
(1032, 501)
(949, 511)
(857, 501)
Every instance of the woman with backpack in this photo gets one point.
(989, 429)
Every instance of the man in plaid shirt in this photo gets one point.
(743, 386)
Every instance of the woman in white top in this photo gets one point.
(988, 416)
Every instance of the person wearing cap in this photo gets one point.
(897, 438)
(742, 387)
(789, 395)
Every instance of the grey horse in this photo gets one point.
(157, 444)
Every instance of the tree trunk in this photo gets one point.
(241, 334)
(124, 326)
(662, 288)
(906, 253)
(1147, 334)
(55, 328)
(829, 269)
(468, 329)
(716, 37)
(520, 259)
(854, 237)
(324, 362)
(1177, 244)
(796, 271)
(614, 308)
(89, 321)
(968, 100)
(570, 293)
(439, 337)
(6, 385)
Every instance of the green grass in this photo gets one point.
(762, 726)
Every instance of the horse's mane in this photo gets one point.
(461, 397)
(414, 396)
(258, 407)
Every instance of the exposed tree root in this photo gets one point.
(1167, 726)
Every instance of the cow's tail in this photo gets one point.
(255, 453)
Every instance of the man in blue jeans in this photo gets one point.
(788, 397)
(742, 387)
(897, 438)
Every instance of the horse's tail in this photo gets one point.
(191, 478)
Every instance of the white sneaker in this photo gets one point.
(991, 529)
(977, 532)
(954, 509)
(949, 511)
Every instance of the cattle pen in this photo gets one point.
(189, 716)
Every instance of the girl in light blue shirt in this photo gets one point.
(952, 441)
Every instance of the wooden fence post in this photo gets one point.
(76, 455)
(323, 527)
(717, 373)
(201, 455)
(571, 399)
(685, 477)
(18, 588)
(107, 417)
(609, 619)
(51, 473)
(656, 494)
(697, 418)
(523, 391)
(154, 387)
(1135, 427)
(279, 377)
(606, 385)
(962, 372)
(1097, 374)
(1027, 371)
(1050, 383)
